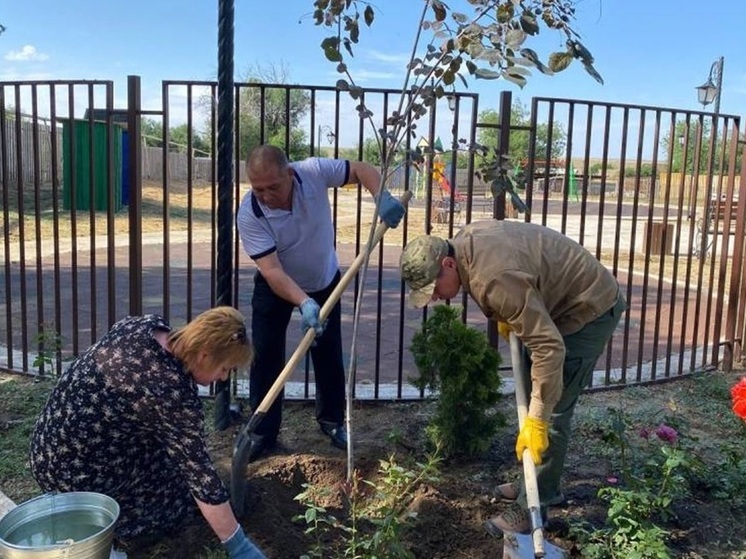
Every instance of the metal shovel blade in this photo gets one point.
(521, 546)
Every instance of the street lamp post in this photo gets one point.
(711, 89)
(330, 135)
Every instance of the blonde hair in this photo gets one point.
(221, 332)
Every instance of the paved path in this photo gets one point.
(386, 319)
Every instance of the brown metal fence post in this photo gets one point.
(134, 108)
(498, 202)
(735, 325)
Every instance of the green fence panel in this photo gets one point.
(91, 174)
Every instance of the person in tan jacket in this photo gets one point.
(560, 301)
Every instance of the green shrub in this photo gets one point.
(457, 362)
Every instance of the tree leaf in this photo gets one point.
(505, 12)
(559, 61)
(486, 74)
(439, 10)
(515, 78)
(528, 23)
(332, 54)
(592, 71)
(515, 38)
(330, 45)
(369, 15)
(534, 58)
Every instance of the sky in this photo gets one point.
(649, 52)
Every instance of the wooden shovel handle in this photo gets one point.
(529, 467)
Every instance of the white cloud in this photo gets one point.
(397, 59)
(369, 75)
(27, 52)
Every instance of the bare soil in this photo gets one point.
(451, 511)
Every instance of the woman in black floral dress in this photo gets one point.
(125, 420)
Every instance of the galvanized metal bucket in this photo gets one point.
(76, 525)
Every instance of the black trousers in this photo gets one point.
(270, 317)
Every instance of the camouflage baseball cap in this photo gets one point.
(420, 266)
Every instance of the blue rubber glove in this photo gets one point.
(309, 310)
(239, 546)
(390, 209)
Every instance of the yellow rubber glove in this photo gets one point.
(534, 436)
(504, 329)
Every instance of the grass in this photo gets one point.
(21, 400)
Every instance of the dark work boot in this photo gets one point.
(337, 433)
(259, 445)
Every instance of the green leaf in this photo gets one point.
(514, 78)
(581, 52)
(354, 31)
(369, 15)
(439, 10)
(592, 71)
(505, 12)
(528, 23)
(330, 45)
(515, 38)
(486, 74)
(559, 61)
(348, 47)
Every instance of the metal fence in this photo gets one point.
(144, 236)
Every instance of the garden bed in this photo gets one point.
(450, 512)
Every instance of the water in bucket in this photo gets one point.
(58, 528)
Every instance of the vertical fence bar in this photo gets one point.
(190, 206)
(5, 182)
(111, 204)
(20, 193)
(166, 208)
(55, 178)
(92, 211)
(134, 127)
(42, 345)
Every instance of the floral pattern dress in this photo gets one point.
(125, 420)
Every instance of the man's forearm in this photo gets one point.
(283, 286)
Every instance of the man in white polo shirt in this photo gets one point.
(286, 227)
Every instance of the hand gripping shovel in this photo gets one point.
(243, 440)
(525, 546)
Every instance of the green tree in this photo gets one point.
(179, 140)
(371, 152)
(695, 134)
(152, 133)
(519, 139)
(487, 44)
(274, 120)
